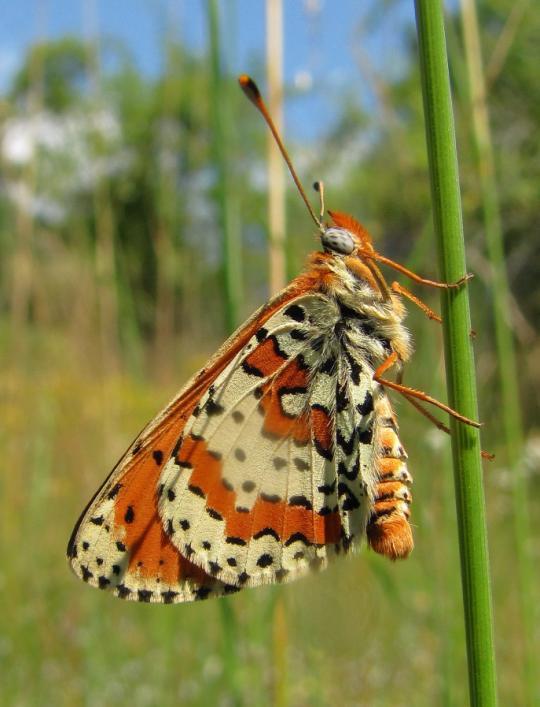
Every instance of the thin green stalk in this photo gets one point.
(232, 287)
(460, 373)
(508, 369)
(220, 142)
(229, 625)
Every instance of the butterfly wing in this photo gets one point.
(274, 471)
(120, 543)
(265, 465)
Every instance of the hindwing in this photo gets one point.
(273, 472)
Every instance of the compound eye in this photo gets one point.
(338, 240)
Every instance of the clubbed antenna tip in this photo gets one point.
(249, 87)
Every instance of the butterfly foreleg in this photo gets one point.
(400, 290)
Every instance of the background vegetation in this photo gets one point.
(112, 293)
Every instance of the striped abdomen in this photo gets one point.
(388, 529)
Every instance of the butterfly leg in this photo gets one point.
(400, 290)
(441, 426)
(372, 255)
(411, 392)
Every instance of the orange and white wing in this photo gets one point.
(120, 543)
(274, 472)
(262, 468)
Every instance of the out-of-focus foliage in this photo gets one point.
(58, 71)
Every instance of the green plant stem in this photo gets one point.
(460, 373)
(226, 205)
(229, 626)
(508, 369)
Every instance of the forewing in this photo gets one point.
(266, 481)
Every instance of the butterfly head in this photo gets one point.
(345, 235)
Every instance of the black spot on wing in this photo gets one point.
(300, 501)
(327, 489)
(298, 335)
(214, 514)
(169, 596)
(329, 366)
(294, 311)
(239, 454)
(297, 537)
(355, 368)
(366, 436)
(114, 491)
(86, 574)
(323, 451)
(243, 577)
(367, 406)
(342, 399)
(157, 456)
(231, 540)
(227, 484)
(177, 446)
(346, 444)
(266, 531)
(202, 592)
(265, 560)
(251, 370)
(351, 474)
(196, 490)
(212, 408)
(270, 498)
(351, 502)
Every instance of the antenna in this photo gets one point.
(249, 87)
(319, 188)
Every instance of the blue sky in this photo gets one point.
(321, 38)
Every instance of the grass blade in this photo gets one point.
(232, 249)
(460, 373)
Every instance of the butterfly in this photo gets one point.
(281, 453)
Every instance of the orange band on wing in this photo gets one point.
(266, 358)
(293, 379)
(284, 519)
(139, 526)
